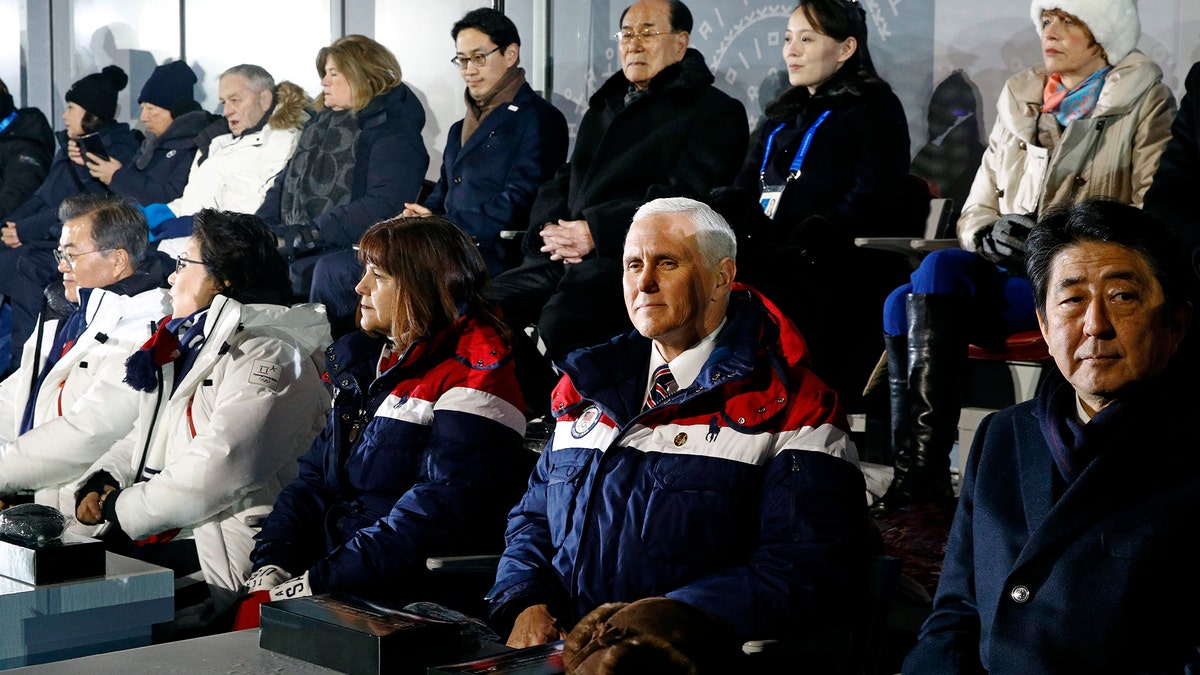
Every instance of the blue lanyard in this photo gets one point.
(7, 121)
(800, 154)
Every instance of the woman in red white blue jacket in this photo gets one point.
(422, 452)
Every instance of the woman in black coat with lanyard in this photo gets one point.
(831, 164)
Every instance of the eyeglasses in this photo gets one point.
(182, 262)
(627, 36)
(477, 60)
(68, 259)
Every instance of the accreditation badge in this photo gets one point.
(769, 199)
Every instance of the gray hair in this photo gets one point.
(714, 236)
(116, 223)
(256, 76)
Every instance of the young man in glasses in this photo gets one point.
(657, 128)
(67, 405)
(511, 141)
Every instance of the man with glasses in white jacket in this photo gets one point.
(67, 405)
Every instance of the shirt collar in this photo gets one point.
(686, 366)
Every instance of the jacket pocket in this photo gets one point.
(567, 469)
(701, 509)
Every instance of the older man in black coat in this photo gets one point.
(656, 129)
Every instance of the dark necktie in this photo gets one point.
(662, 388)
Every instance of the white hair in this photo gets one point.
(714, 236)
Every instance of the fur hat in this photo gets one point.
(170, 85)
(1114, 23)
(97, 93)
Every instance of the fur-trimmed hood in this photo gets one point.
(290, 108)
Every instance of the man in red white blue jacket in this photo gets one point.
(731, 485)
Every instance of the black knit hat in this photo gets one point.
(97, 93)
(169, 85)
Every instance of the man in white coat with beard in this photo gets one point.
(66, 405)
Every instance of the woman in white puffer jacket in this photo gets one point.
(232, 396)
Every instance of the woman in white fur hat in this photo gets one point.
(1091, 120)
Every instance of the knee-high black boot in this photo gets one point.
(937, 354)
(899, 422)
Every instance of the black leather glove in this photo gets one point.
(1004, 242)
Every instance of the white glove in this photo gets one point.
(296, 588)
(266, 577)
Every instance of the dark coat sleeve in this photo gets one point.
(37, 219)
(526, 574)
(23, 167)
(949, 640)
(1171, 196)
(161, 182)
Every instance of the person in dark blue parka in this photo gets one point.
(26, 148)
(510, 142)
(176, 129)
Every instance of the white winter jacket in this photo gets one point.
(238, 171)
(224, 444)
(82, 407)
(1112, 153)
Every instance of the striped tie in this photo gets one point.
(662, 388)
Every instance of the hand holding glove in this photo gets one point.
(1003, 243)
(295, 588)
(266, 578)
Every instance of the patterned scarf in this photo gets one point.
(321, 173)
(1074, 445)
(1078, 103)
(166, 346)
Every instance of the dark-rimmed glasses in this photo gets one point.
(477, 60)
(68, 259)
(182, 262)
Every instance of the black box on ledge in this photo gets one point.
(544, 659)
(351, 636)
(73, 557)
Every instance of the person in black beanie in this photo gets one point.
(30, 232)
(174, 125)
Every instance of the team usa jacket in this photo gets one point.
(423, 459)
(740, 495)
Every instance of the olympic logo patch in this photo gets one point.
(586, 422)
